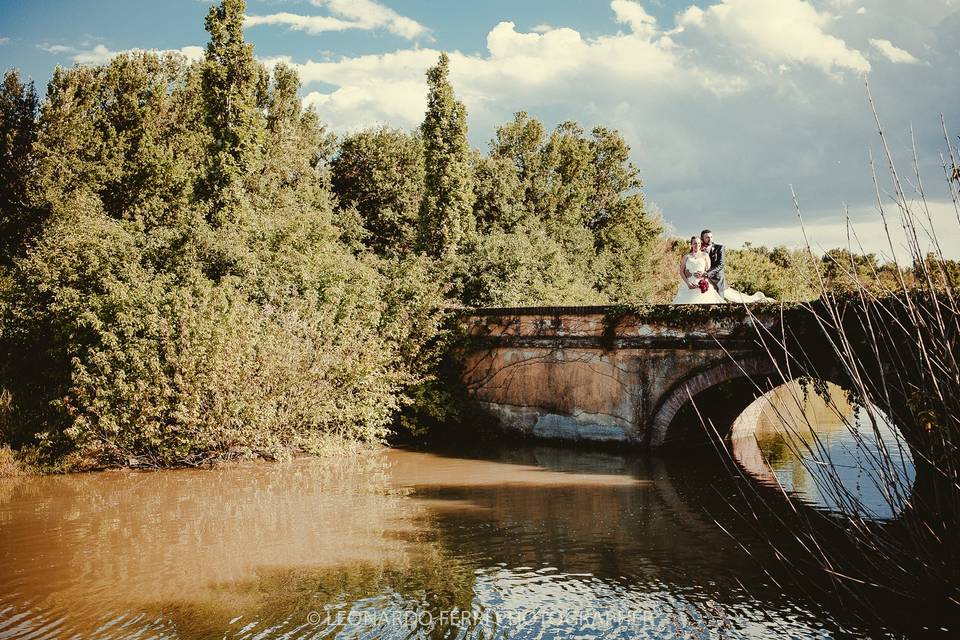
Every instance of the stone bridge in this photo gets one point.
(608, 374)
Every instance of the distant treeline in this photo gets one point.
(192, 267)
(798, 275)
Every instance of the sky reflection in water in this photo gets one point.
(826, 451)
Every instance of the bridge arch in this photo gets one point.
(755, 375)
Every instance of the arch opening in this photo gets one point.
(711, 413)
(715, 395)
(819, 445)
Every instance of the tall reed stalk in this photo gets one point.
(895, 349)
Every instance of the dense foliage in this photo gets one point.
(560, 219)
(189, 294)
(18, 131)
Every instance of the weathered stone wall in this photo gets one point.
(595, 373)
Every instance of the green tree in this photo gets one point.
(446, 214)
(845, 271)
(499, 203)
(625, 234)
(525, 266)
(232, 87)
(781, 273)
(512, 181)
(381, 174)
(944, 274)
(584, 194)
(19, 217)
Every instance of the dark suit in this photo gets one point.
(715, 275)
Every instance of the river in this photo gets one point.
(519, 541)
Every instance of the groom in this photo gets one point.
(716, 252)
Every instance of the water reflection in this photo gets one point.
(529, 542)
(825, 450)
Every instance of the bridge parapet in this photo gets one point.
(618, 327)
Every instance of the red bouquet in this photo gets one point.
(704, 285)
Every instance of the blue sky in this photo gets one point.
(725, 103)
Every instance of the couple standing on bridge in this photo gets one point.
(702, 280)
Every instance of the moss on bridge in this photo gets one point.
(691, 315)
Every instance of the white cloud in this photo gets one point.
(861, 11)
(373, 89)
(100, 54)
(55, 49)
(373, 15)
(191, 52)
(892, 53)
(516, 68)
(4, 41)
(391, 87)
(351, 14)
(776, 31)
(633, 14)
(310, 24)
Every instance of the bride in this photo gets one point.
(690, 290)
(694, 289)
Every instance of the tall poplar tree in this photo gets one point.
(231, 78)
(446, 214)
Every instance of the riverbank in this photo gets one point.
(29, 462)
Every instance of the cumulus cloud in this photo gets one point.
(633, 14)
(892, 53)
(518, 64)
(779, 31)
(347, 14)
(372, 89)
(4, 41)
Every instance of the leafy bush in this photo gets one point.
(190, 296)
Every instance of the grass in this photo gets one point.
(10, 465)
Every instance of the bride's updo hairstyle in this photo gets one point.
(692, 239)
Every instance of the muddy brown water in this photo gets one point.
(519, 542)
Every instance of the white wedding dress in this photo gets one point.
(732, 295)
(686, 295)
